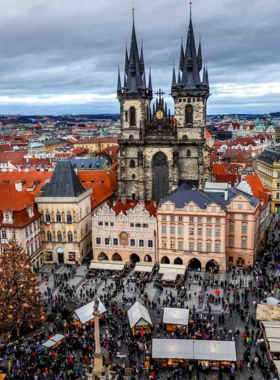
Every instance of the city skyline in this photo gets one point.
(62, 58)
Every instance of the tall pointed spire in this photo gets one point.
(150, 81)
(142, 63)
(207, 77)
(126, 60)
(205, 81)
(144, 86)
(119, 88)
(199, 55)
(182, 56)
(124, 81)
(174, 75)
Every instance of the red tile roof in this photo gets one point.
(218, 169)
(14, 157)
(11, 199)
(27, 177)
(208, 134)
(244, 142)
(130, 205)
(228, 178)
(258, 189)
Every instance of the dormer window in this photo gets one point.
(8, 217)
(30, 211)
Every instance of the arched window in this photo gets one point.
(49, 236)
(69, 217)
(133, 176)
(188, 153)
(131, 138)
(185, 138)
(48, 217)
(189, 114)
(59, 237)
(70, 237)
(58, 217)
(74, 216)
(132, 117)
(132, 164)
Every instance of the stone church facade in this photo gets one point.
(158, 151)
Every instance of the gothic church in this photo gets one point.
(158, 151)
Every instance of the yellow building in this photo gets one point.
(66, 217)
(268, 169)
(96, 144)
(50, 145)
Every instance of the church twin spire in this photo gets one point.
(134, 70)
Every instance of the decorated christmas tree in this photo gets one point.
(21, 306)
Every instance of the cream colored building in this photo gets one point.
(66, 217)
(96, 144)
(125, 232)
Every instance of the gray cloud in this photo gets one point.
(67, 52)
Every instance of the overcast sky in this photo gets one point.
(61, 56)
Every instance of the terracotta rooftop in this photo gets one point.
(26, 177)
(130, 205)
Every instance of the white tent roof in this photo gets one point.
(274, 346)
(172, 349)
(144, 267)
(51, 342)
(107, 265)
(272, 332)
(277, 365)
(138, 315)
(85, 313)
(175, 316)
(172, 268)
(169, 276)
(193, 349)
(214, 350)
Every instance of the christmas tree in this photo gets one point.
(21, 306)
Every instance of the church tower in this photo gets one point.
(157, 150)
(190, 94)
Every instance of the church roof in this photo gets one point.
(64, 182)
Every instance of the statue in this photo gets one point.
(175, 156)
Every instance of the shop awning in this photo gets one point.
(172, 349)
(214, 350)
(169, 276)
(172, 268)
(175, 316)
(144, 267)
(138, 315)
(277, 365)
(85, 313)
(274, 345)
(107, 265)
(272, 332)
(55, 339)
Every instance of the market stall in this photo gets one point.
(171, 275)
(114, 269)
(54, 341)
(139, 319)
(208, 354)
(84, 315)
(143, 271)
(175, 318)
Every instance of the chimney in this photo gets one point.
(18, 185)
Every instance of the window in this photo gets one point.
(218, 220)
(213, 209)
(145, 225)
(131, 224)
(69, 217)
(244, 243)
(150, 243)
(70, 237)
(231, 243)
(163, 218)
(191, 245)
(239, 207)
(199, 231)
(48, 217)
(209, 220)
(188, 153)
(30, 229)
(49, 256)
(132, 242)
(244, 229)
(132, 117)
(208, 232)
(208, 247)
(199, 219)
(163, 229)
(191, 219)
(106, 224)
(164, 244)
(49, 236)
(278, 175)
(141, 243)
(180, 218)
(172, 244)
(58, 217)
(172, 218)
(100, 223)
(278, 185)
(4, 234)
(107, 241)
(277, 196)
(199, 246)
(115, 241)
(112, 224)
(191, 231)
(98, 241)
(180, 245)
(132, 164)
(13, 234)
(59, 237)
(189, 114)
(180, 230)
(191, 208)
(244, 217)
(217, 232)
(217, 247)
(231, 216)
(231, 228)
(26, 232)
(172, 230)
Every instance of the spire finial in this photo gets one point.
(133, 9)
(190, 9)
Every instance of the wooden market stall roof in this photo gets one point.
(172, 268)
(268, 313)
(175, 316)
(144, 266)
(53, 340)
(107, 265)
(85, 313)
(138, 315)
